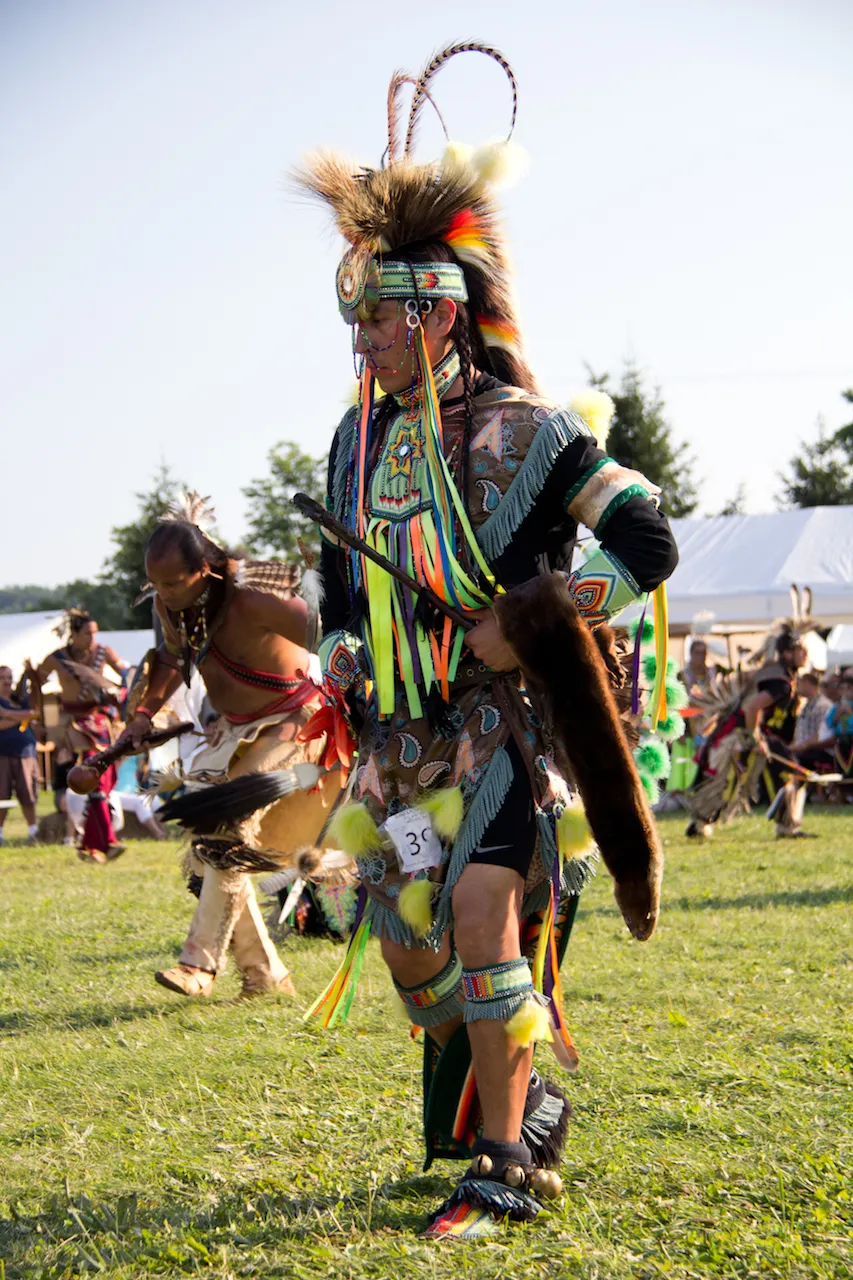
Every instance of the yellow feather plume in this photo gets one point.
(353, 830)
(597, 410)
(530, 1023)
(446, 809)
(574, 837)
(416, 906)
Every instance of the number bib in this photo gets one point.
(418, 847)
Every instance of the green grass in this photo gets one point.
(143, 1134)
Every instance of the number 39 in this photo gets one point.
(415, 840)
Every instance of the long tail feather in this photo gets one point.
(206, 810)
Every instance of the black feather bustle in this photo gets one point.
(194, 884)
(224, 854)
(209, 809)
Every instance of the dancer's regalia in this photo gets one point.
(479, 497)
(227, 848)
(89, 711)
(738, 763)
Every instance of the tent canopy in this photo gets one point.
(740, 568)
(32, 635)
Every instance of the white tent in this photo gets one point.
(739, 569)
(27, 635)
(32, 635)
(839, 646)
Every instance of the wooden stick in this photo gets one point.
(314, 511)
(84, 778)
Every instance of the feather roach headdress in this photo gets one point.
(402, 203)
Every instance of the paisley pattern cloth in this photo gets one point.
(529, 461)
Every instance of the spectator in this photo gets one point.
(18, 761)
(839, 724)
(697, 674)
(812, 742)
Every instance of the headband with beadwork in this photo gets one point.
(363, 283)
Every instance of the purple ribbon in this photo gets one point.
(635, 667)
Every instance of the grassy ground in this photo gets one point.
(143, 1134)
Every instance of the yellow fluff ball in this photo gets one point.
(457, 157)
(573, 834)
(529, 1023)
(446, 809)
(353, 830)
(500, 163)
(597, 409)
(416, 906)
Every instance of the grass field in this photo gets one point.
(142, 1134)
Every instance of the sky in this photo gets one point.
(165, 296)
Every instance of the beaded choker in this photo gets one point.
(444, 375)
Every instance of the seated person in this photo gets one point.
(812, 744)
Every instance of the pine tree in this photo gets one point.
(640, 437)
(820, 475)
(735, 506)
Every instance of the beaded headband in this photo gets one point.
(362, 282)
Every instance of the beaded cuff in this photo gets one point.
(435, 1001)
(498, 991)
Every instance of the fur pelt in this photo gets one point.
(567, 678)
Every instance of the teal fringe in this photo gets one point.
(345, 460)
(483, 809)
(577, 872)
(555, 434)
(386, 923)
(547, 839)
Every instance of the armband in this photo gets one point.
(601, 588)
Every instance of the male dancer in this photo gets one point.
(471, 482)
(756, 722)
(88, 713)
(242, 625)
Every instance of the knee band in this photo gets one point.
(435, 1001)
(498, 991)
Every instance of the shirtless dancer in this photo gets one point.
(88, 711)
(240, 624)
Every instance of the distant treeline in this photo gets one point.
(103, 601)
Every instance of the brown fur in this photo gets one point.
(566, 676)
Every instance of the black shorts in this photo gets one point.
(510, 838)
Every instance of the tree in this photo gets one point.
(123, 572)
(735, 506)
(274, 525)
(844, 435)
(640, 437)
(819, 476)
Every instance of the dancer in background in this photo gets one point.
(242, 625)
(89, 711)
